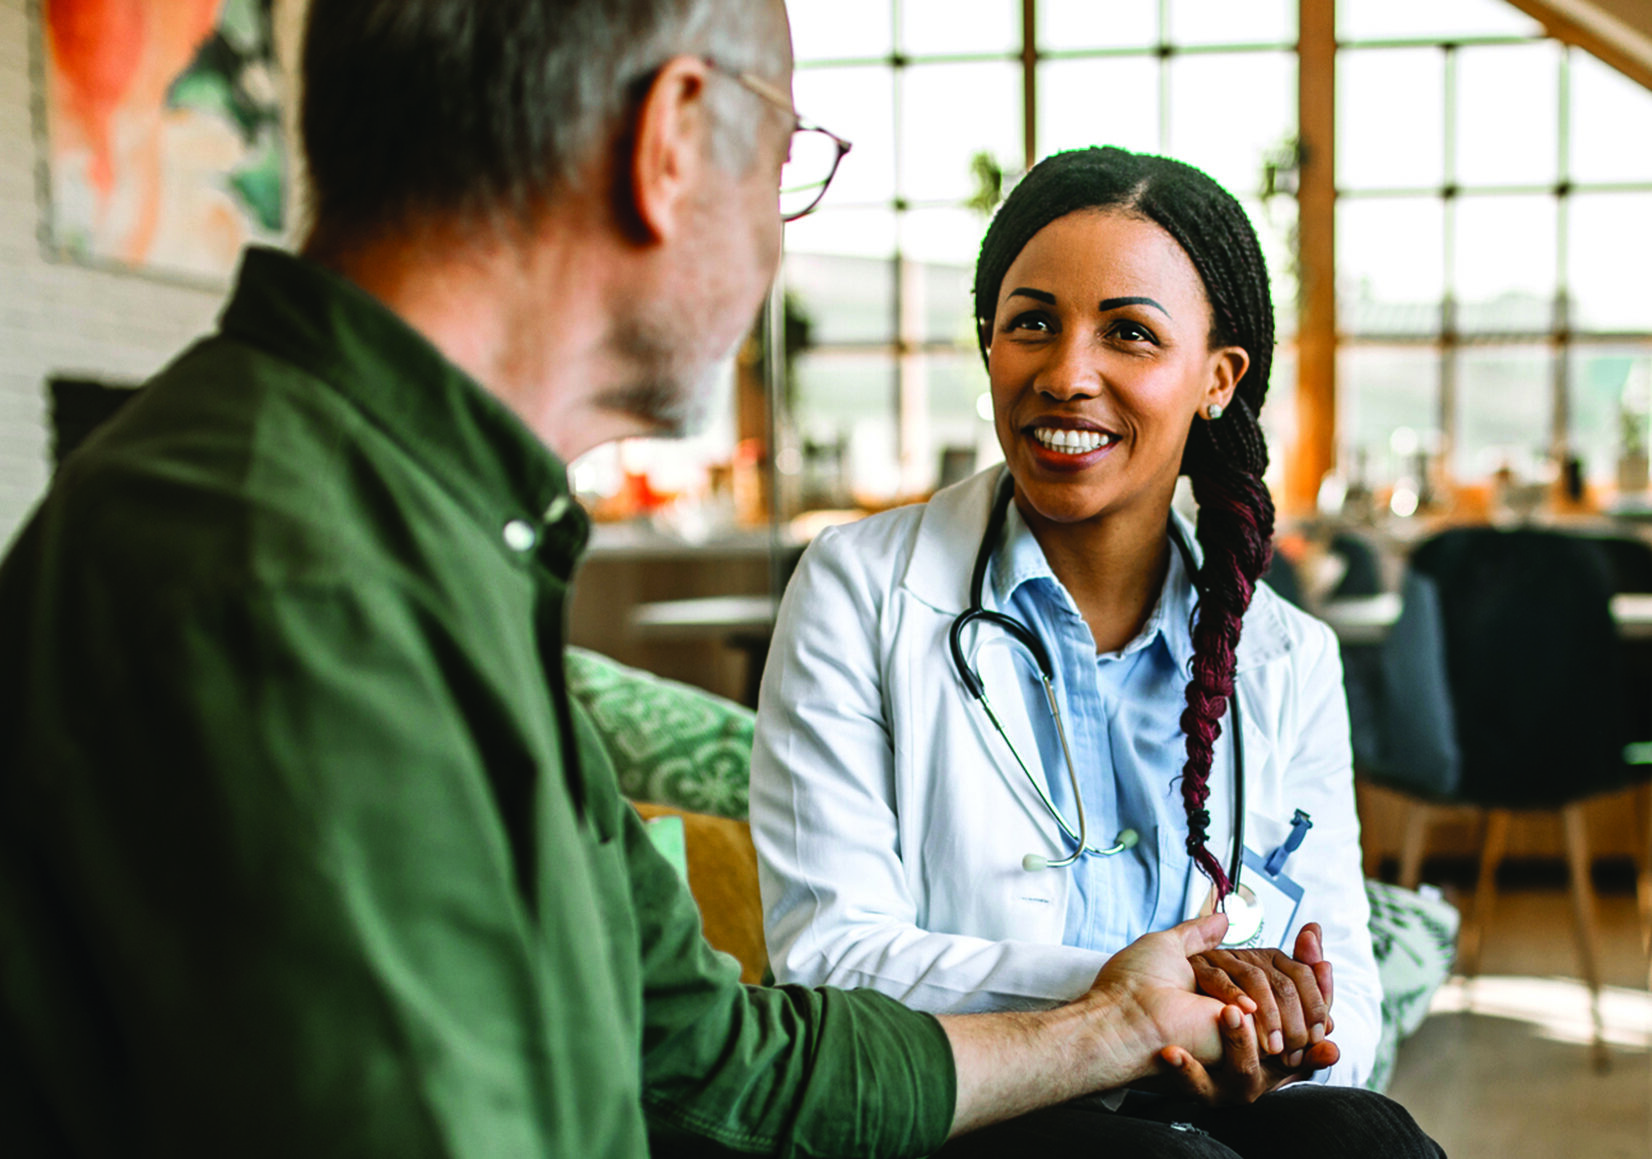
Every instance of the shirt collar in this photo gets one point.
(478, 449)
(1019, 562)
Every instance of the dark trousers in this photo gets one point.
(1301, 1121)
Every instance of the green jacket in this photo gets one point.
(303, 849)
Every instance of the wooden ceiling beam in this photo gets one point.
(1618, 32)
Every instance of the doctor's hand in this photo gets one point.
(1287, 998)
(1244, 1075)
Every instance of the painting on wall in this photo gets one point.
(162, 138)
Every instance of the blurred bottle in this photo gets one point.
(1358, 501)
(1573, 478)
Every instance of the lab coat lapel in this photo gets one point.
(938, 574)
(949, 533)
(998, 661)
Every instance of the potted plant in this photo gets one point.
(1632, 464)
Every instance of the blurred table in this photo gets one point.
(1366, 620)
(1363, 619)
(633, 564)
(706, 617)
(743, 623)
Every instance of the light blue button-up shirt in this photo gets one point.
(1123, 715)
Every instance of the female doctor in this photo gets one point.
(1006, 733)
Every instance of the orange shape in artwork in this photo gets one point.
(97, 46)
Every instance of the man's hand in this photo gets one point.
(1143, 1000)
(1151, 991)
(1289, 998)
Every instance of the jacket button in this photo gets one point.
(520, 535)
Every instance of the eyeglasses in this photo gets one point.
(814, 154)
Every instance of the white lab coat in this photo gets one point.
(891, 820)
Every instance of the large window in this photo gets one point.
(1494, 201)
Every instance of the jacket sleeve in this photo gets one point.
(788, 1070)
(838, 905)
(1319, 778)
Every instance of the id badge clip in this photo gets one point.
(1262, 910)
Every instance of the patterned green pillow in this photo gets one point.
(1415, 939)
(671, 743)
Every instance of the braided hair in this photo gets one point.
(1224, 458)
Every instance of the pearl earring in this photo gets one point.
(1213, 411)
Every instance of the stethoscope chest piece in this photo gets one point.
(1245, 917)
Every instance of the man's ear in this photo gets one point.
(669, 149)
(1228, 366)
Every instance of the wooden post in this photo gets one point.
(1316, 391)
(1029, 84)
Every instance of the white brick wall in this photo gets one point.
(57, 317)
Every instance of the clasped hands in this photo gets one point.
(1225, 1026)
(1275, 1021)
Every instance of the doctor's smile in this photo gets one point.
(1071, 444)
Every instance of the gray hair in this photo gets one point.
(481, 111)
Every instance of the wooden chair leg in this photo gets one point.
(1371, 849)
(1643, 878)
(1417, 818)
(1583, 917)
(1494, 841)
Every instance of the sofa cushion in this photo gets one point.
(722, 876)
(1415, 939)
(670, 742)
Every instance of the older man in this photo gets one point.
(303, 849)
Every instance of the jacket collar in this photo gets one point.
(949, 535)
(460, 433)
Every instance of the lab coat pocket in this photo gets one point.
(1264, 832)
(993, 897)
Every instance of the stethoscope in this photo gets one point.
(1127, 838)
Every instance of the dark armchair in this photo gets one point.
(1513, 630)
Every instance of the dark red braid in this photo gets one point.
(1226, 457)
(1236, 531)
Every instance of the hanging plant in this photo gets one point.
(992, 181)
